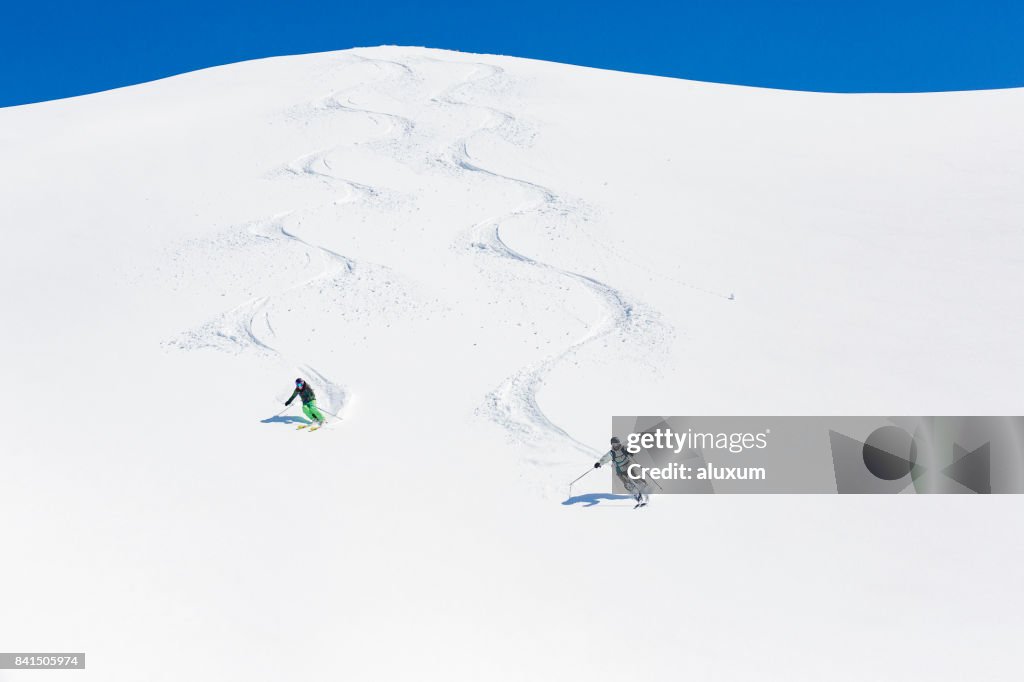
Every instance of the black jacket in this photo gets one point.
(306, 393)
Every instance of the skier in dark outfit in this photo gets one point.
(309, 408)
(622, 458)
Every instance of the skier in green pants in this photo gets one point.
(309, 408)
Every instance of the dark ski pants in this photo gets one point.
(635, 487)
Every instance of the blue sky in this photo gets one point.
(51, 49)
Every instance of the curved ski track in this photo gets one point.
(513, 404)
(247, 326)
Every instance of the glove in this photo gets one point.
(597, 465)
(288, 403)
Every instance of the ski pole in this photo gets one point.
(270, 419)
(326, 412)
(578, 478)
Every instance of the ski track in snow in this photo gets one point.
(247, 327)
(513, 404)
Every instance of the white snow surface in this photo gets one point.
(477, 261)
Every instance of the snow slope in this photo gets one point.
(478, 260)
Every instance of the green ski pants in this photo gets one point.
(312, 412)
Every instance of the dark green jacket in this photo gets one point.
(306, 393)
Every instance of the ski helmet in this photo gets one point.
(299, 382)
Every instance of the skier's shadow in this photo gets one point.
(290, 419)
(592, 499)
